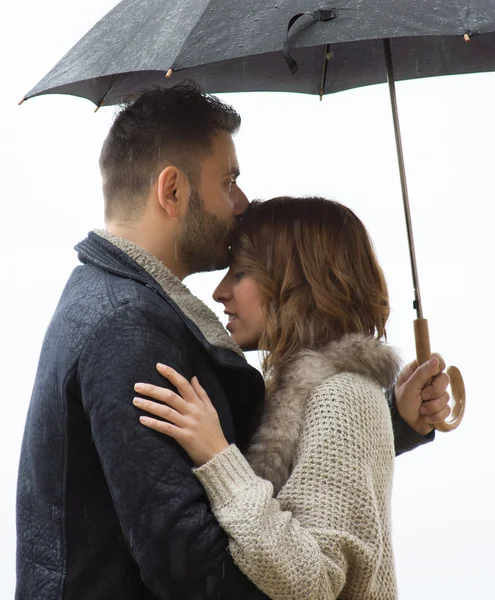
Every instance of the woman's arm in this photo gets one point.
(328, 530)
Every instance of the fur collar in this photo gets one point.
(274, 445)
(192, 307)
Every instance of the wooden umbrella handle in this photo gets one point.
(423, 353)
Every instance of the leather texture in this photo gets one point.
(107, 508)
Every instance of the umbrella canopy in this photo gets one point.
(231, 46)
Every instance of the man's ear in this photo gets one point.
(173, 191)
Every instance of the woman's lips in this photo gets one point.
(232, 320)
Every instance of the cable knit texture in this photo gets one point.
(309, 515)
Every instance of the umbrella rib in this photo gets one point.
(193, 29)
(117, 79)
(324, 70)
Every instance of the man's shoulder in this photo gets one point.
(94, 298)
(92, 287)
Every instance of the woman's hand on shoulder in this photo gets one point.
(190, 418)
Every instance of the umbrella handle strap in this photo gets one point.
(457, 387)
(315, 16)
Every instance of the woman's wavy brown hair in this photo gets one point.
(319, 276)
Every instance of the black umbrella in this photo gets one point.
(283, 45)
(233, 46)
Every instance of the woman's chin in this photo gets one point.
(242, 338)
(248, 346)
(244, 344)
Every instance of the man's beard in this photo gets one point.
(205, 240)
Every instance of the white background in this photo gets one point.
(343, 147)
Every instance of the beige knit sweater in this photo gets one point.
(308, 516)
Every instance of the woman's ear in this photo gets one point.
(173, 191)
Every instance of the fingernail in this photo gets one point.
(425, 396)
(433, 362)
(137, 401)
(161, 366)
(145, 420)
(138, 386)
(423, 410)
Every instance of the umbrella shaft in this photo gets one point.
(402, 170)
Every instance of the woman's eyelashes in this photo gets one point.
(239, 275)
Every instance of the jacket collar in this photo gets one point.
(127, 259)
(274, 445)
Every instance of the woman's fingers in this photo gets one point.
(438, 417)
(174, 408)
(160, 410)
(161, 427)
(442, 364)
(162, 395)
(196, 426)
(200, 391)
(432, 407)
(436, 411)
(183, 386)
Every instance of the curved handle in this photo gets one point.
(458, 389)
(459, 396)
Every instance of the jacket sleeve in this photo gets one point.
(328, 527)
(405, 437)
(180, 549)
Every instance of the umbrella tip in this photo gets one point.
(21, 101)
(467, 38)
(169, 74)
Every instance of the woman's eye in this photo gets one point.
(239, 275)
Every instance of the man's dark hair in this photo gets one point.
(160, 127)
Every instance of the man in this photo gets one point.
(108, 512)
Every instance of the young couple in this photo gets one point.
(246, 489)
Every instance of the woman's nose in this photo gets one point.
(223, 291)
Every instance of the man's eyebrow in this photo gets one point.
(234, 171)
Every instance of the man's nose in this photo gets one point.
(241, 202)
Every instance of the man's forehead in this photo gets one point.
(225, 164)
(232, 168)
(225, 153)
(229, 162)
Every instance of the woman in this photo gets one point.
(308, 512)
